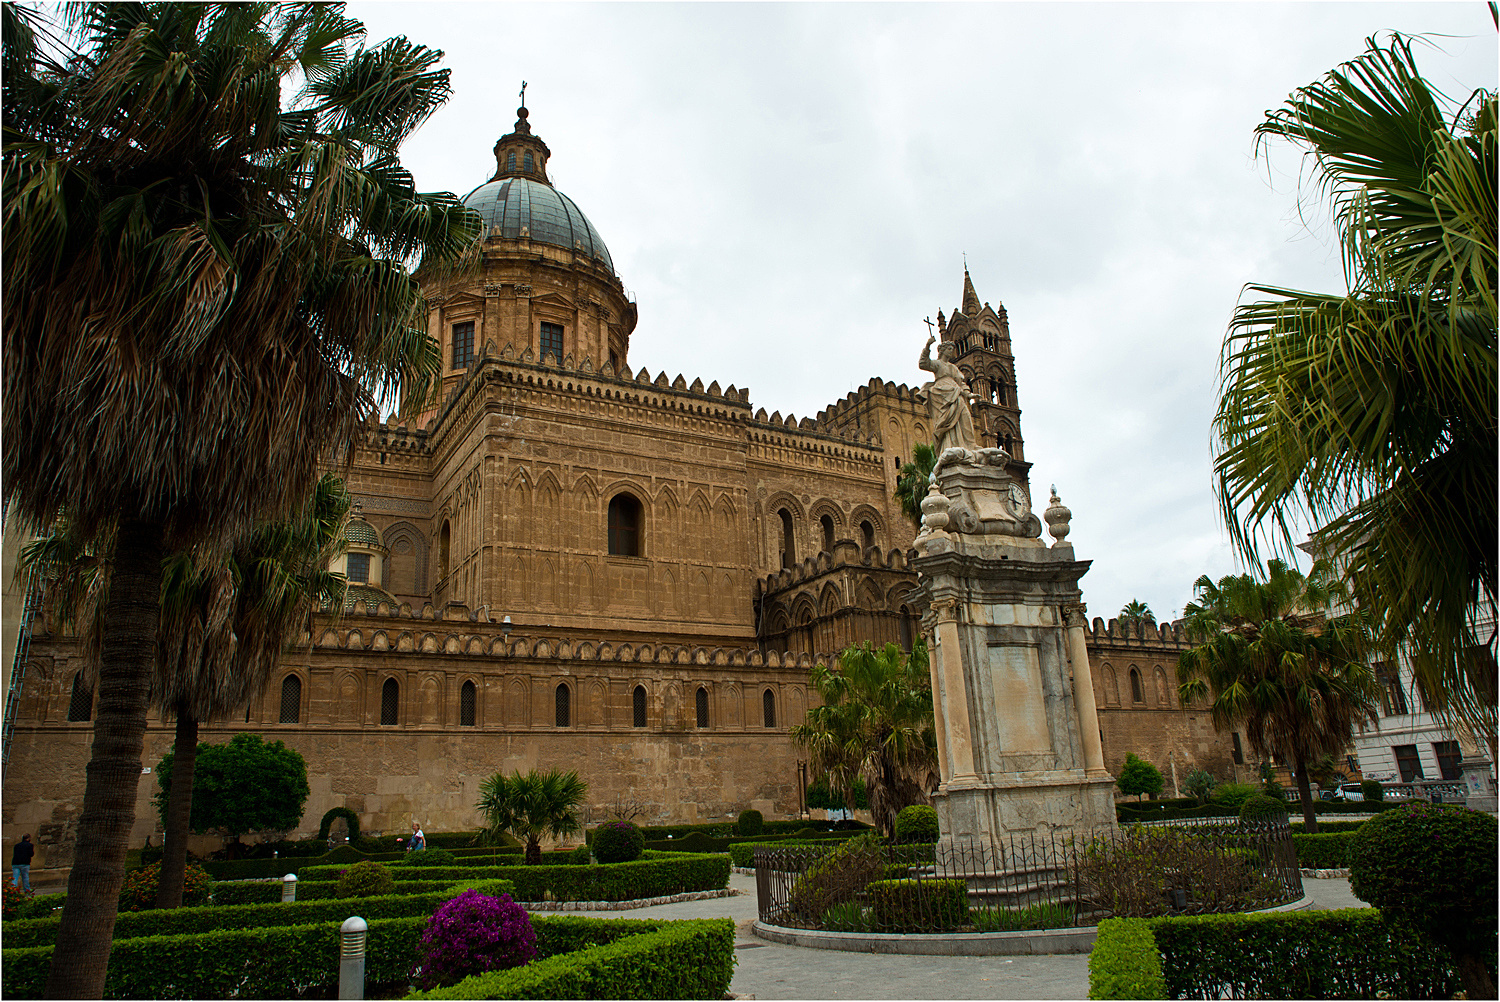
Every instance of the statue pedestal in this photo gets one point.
(1018, 735)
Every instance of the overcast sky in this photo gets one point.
(788, 190)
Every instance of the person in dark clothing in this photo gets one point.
(20, 863)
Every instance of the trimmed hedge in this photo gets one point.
(692, 959)
(743, 853)
(1324, 852)
(1173, 810)
(658, 832)
(919, 905)
(698, 842)
(1350, 953)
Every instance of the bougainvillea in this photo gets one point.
(472, 934)
(14, 898)
(138, 892)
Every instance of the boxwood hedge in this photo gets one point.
(1324, 852)
(1350, 953)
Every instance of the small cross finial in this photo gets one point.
(523, 93)
(928, 322)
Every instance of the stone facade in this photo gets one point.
(568, 564)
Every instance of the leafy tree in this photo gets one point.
(1136, 611)
(876, 722)
(1295, 680)
(532, 807)
(913, 480)
(207, 291)
(1199, 784)
(222, 628)
(1139, 777)
(1371, 413)
(244, 786)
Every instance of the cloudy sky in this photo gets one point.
(788, 190)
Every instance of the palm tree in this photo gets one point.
(532, 807)
(913, 480)
(1372, 413)
(876, 721)
(1136, 611)
(1294, 680)
(207, 291)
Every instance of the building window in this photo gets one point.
(530, 164)
(466, 700)
(624, 526)
(552, 341)
(827, 523)
(1136, 696)
(510, 160)
(702, 707)
(638, 705)
(1393, 696)
(358, 568)
(390, 703)
(614, 362)
(1408, 762)
(867, 532)
(463, 344)
(445, 542)
(81, 703)
(1239, 752)
(291, 700)
(788, 539)
(564, 707)
(768, 707)
(1448, 758)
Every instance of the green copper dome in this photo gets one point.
(547, 215)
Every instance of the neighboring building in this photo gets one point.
(568, 564)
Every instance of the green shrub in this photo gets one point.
(743, 853)
(471, 934)
(1323, 851)
(1260, 809)
(429, 857)
(749, 823)
(1199, 784)
(1134, 876)
(850, 916)
(1232, 796)
(838, 876)
(15, 900)
(365, 880)
(917, 823)
(618, 842)
(1138, 776)
(918, 905)
(1433, 869)
(139, 889)
(247, 892)
(349, 817)
(1043, 916)
(1373, 791)
(691, 959)
(1125, 963)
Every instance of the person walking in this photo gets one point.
(20, 863)
(418, 839)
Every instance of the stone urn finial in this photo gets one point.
(935, 510)
(1058, 517)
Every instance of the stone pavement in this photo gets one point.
(773, 971)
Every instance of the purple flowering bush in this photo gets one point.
(471, 934)
(618, 842)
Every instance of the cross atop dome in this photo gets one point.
(519, 153)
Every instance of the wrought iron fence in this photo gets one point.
(1029, 881)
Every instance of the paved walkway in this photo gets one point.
(773, 971)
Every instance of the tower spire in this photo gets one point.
(971, 298)
(519, 153)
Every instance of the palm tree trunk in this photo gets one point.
(81, 956)
(533, 851)
(1309, 807)
(179, 812)
(1474, 971)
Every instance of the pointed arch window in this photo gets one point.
(867, 533)
(390, 703)
(1136, 694)
(768, 707)
(702, 707)
(638, 706)
(625, 518)
(467, 698)
(788, 539)
(564, 706)
(291, 700)
(827, 523)
(81, 702)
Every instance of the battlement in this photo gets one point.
(812, 567)
(1118, 632)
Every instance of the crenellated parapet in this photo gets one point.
(846, 553)
(1119, 632)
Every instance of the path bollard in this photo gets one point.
(352, 958)
(289, 888)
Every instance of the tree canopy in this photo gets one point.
(1139, 777)
(913, 479)
(244, 786)
(532, 807)
(1369, 415)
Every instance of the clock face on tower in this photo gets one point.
(1018, 498)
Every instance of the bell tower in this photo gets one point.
(980, 335)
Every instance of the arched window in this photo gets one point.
(1136, 695)
(625, 526)
(81, 703)
(564, 706)
(291, 700)
(999, 392)
(510, 160)
(390, 703)
(867, 533)
(530, 164)
(702, 707)
(1162, 699)
(768, 707)
(466, 700)
(788, 539)
(638, 706)
(827, 522)
(445, 538)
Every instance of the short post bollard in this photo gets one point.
(352, 958)
(289, 888)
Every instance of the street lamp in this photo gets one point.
(505, 627)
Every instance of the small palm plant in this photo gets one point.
(531, 807)
(912, 481)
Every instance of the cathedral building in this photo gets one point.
(571, 563)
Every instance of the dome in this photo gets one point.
(361, 533)
(548, 216)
